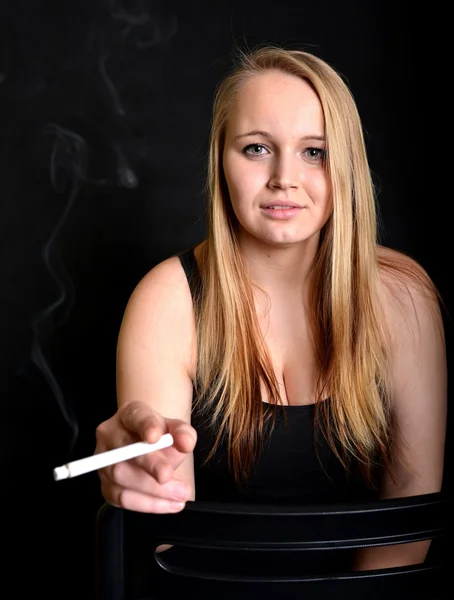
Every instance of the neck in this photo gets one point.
(279, 267)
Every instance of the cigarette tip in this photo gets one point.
(61, 473)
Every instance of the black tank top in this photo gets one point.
(296, 465)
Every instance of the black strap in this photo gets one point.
(191, 268)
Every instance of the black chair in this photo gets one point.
(233, 551)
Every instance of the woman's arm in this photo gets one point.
(419, 397)
(155, 360)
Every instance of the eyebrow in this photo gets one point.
(265, 134)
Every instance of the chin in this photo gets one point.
(277, 239)
(288, 239)
(284, 243)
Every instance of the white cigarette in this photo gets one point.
(111, 457)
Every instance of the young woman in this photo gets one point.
(292, 357)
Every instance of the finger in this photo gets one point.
(109, 438)
(140, 502)
(161, 464)
(184, 435)
(139, 418)
(134, 478)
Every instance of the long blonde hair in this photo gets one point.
(350, 339)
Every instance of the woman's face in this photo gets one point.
(273, 161)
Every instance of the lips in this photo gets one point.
(280, 205)
(281, 211)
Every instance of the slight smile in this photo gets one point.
(278, 210)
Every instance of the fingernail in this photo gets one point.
(180, 494)
(177, 506)
(184, 429)
(152, 436)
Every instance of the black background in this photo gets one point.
(105, 109)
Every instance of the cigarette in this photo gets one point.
(111, 457)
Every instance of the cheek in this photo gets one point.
(318, 186)
(229, 174)
(242, 181)
(326, 197)
(233, 185)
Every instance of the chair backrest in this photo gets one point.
(255, 551)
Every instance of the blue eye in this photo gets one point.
(255, 149)
(315, 153)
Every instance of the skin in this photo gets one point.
(156, 357)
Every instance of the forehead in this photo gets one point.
(274, 100)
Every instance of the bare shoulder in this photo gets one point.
(163, 298)
(163, 284)
(412, 312)
(406, 287)
(158, 324)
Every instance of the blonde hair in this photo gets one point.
(350, 340)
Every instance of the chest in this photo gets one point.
(290, 344)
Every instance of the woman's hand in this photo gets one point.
(146, 483)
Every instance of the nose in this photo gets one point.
(285, 173)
